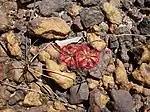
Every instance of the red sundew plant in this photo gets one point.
(79, 55)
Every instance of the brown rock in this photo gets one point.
(97, 100)
(146, 54)
(53, 27)
(143, 74)
(108, 81)
(95, 41)
(13, 44)
(112, 13)
(92, 83)
(64, 79)
(120, 73)
(32, 99)
(43, 55)
(59, 106)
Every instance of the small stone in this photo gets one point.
(97, 100)
(50, 28)
(4, 96)
(77, 23)
(47, 7)
(91, 2)
(146, 54)
(135, 14)
(13, 44)
(78, 93)
(122, 101)
(108, 81)
(120, 73)
(143, 74)
(74, 10)
(14, 73)
(32, 99)
(52, 51)
(96, 73)
(59, 106)
(17, 96)
(95, 41)
(43, 55)
(62, 78)
(112, 13)
(91, 16)
(104, 27)
(35, 71)
(92, 83)
(144, 26)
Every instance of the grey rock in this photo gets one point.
(78, 93)
(47, 7)
(91, 16)
(122, 101)
(144, 26)
(91, 2)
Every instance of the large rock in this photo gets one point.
(47, 7)
(78, 93)
(53, 27)
(91, 16)
(122, 101)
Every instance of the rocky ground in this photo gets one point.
(74, 56)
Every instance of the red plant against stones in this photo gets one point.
(79, 55)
